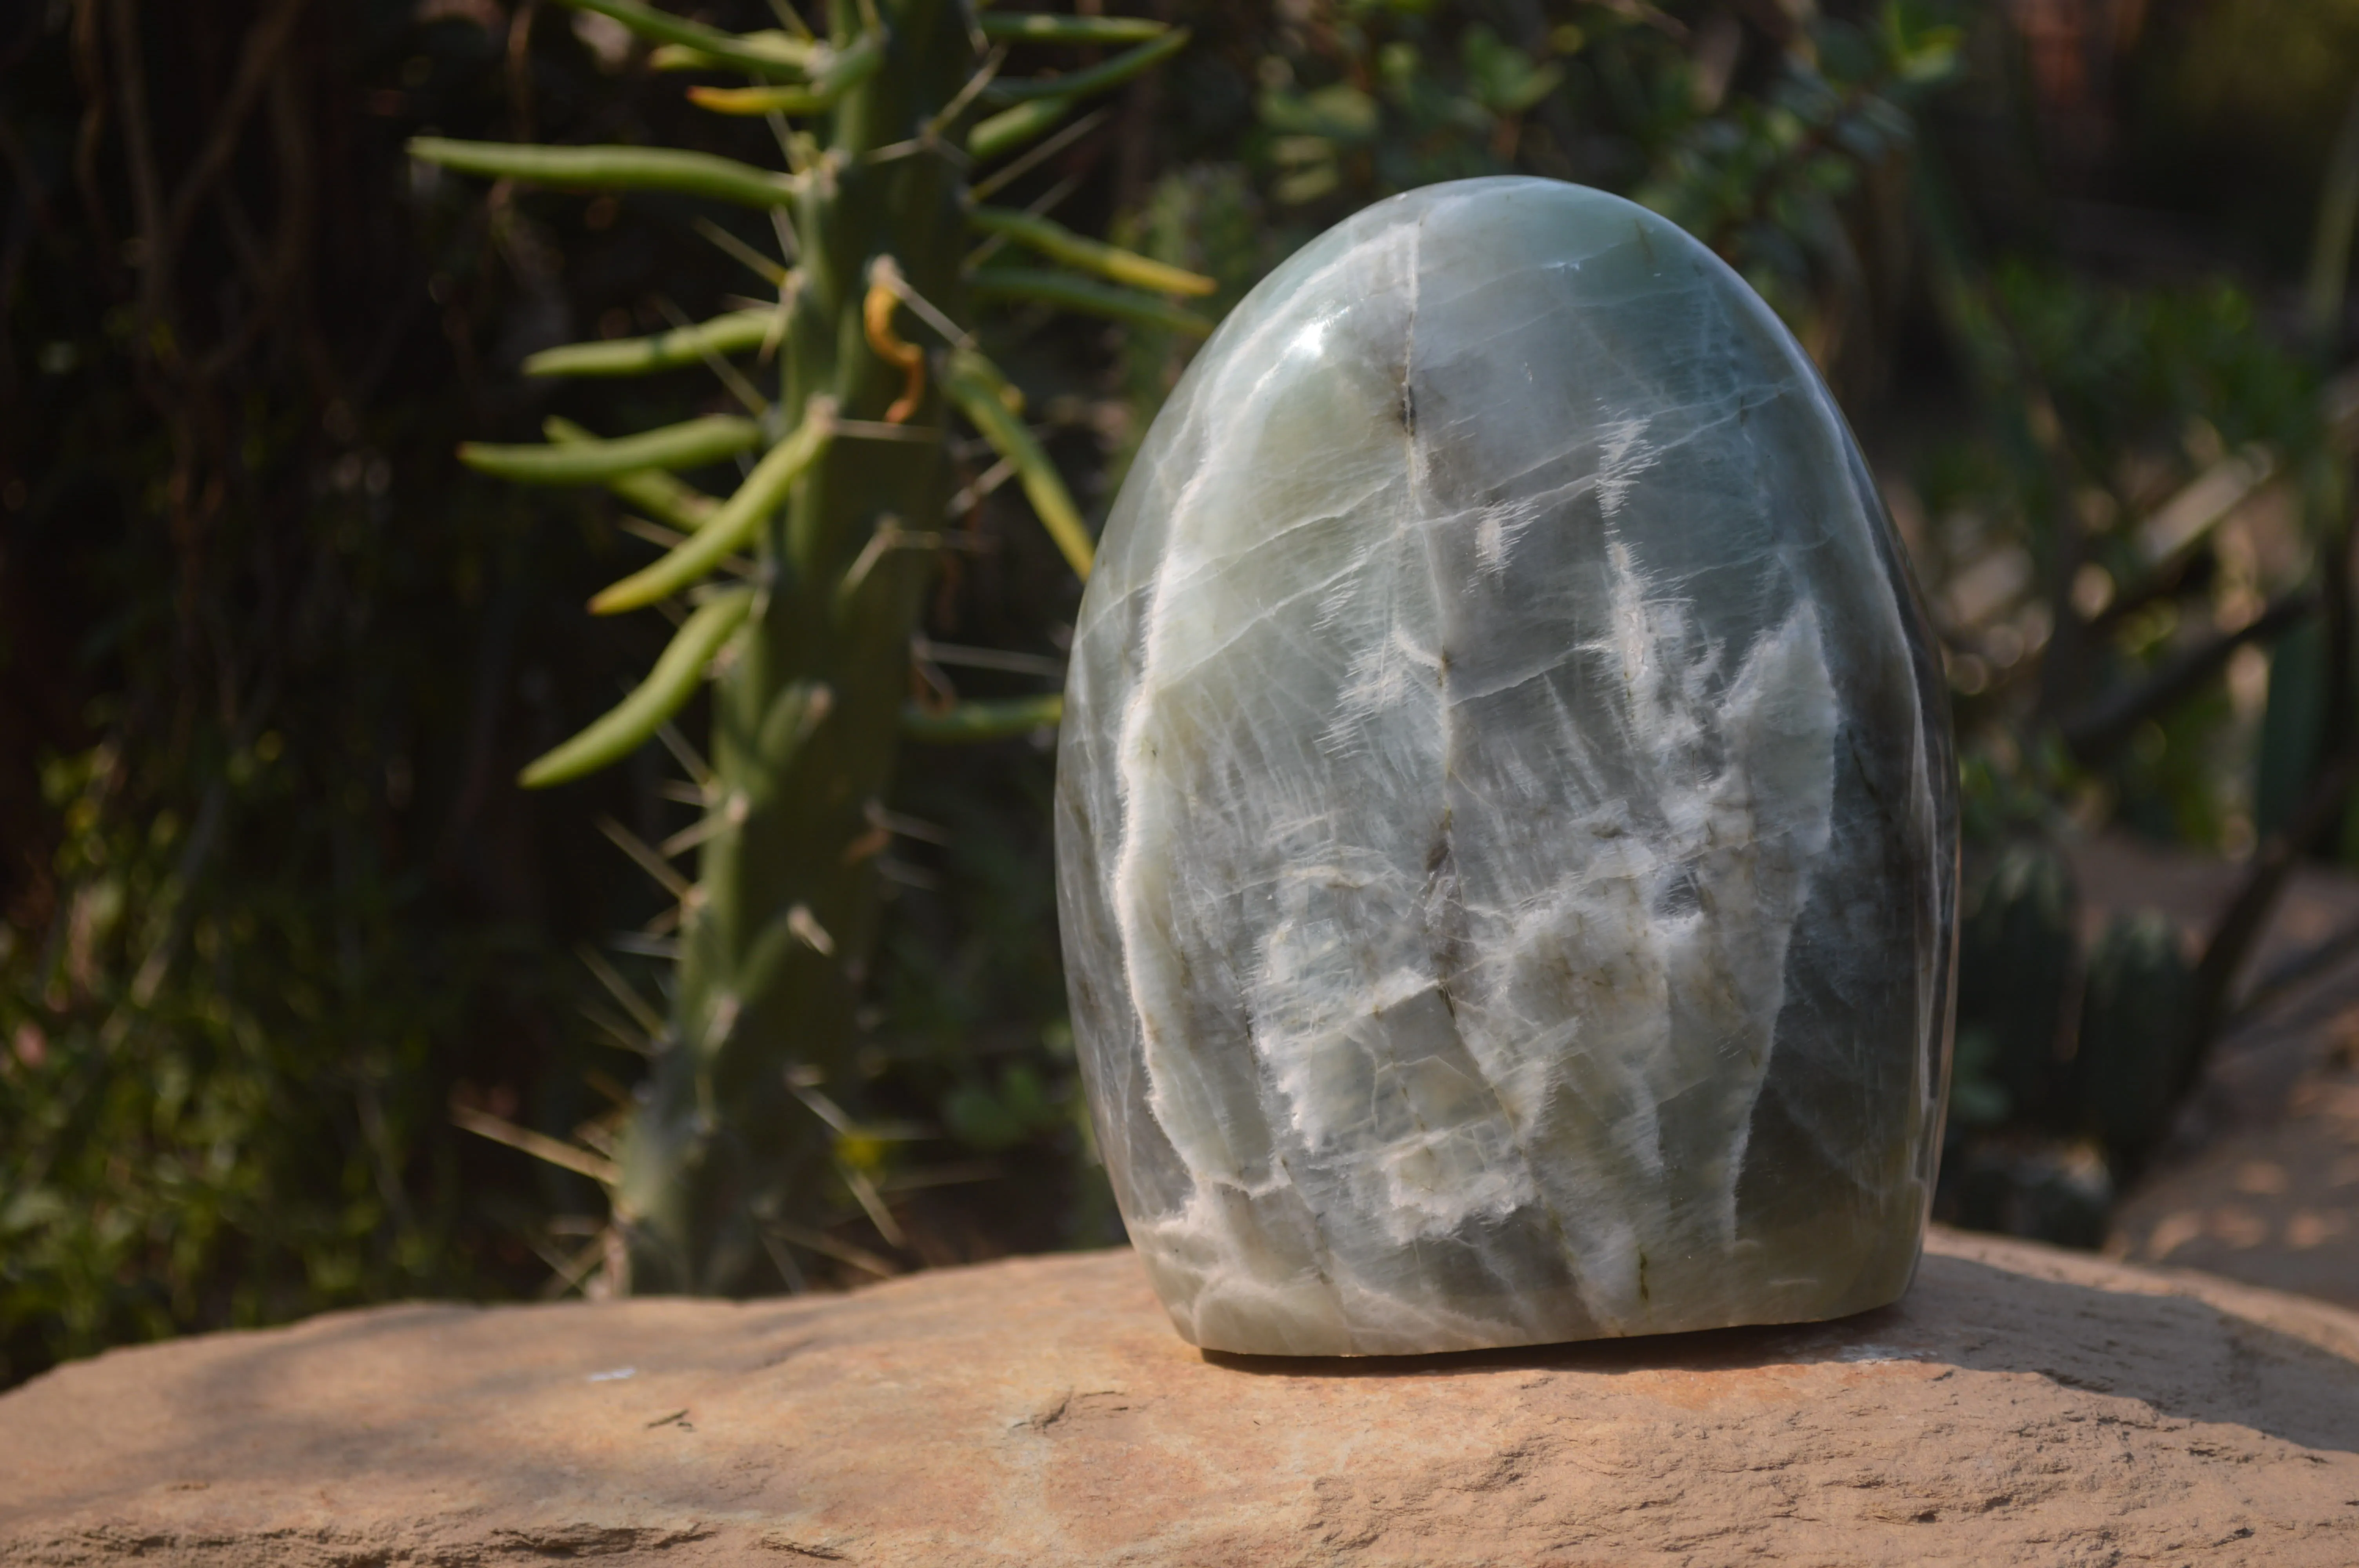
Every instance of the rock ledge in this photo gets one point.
(2020, 1406)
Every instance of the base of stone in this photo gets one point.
(2019, 1406)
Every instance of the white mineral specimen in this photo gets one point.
(1506, 820)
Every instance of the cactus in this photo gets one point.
(2056, 1190)
(2137, 1032)
(2286, 759)
(736, 1149)
(2016, 961)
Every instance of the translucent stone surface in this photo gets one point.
(1506, 823)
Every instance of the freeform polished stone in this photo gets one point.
(1505, 817)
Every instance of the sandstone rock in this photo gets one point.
(2019, 1406)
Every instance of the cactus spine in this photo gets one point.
(726, 1168)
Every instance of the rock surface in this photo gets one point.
(1504, 821)
(2019, 1406)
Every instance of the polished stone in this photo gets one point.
(1506, 814)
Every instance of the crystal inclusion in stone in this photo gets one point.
(1505, 822)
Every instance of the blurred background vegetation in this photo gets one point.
(272, 909)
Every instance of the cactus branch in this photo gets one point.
(1057, 242)
(734, 525)
(688, 444)
(614, 168)
(1096, 79)
(968, 721)
(1033, 28)
(1085, 295)
(730, 334)
(652, 490)
(633, 722)
(976, 385)
(1011, 128)
(1000, 179)
(845, 72)
(727, 375)
(757, 54)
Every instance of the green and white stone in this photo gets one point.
(1505, 820)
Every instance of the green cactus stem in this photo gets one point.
(740, 1149)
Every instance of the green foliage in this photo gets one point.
(151, 1178)
(1780, 175)
(2125, 426)
(2128, 546)
(970, 1035)
(2074, 497)
(267, 657)
(1766, 183)
(274, 657)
